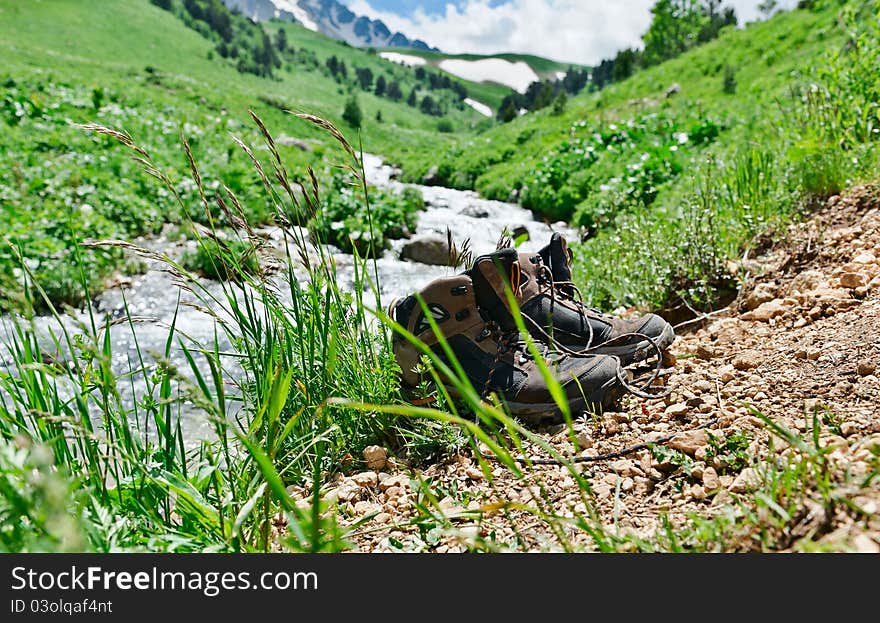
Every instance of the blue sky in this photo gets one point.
(408, 8)
(579, 31)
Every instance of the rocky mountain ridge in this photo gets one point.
(331, 18)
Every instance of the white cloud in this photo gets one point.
(581, 31)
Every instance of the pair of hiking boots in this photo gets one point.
(586, 351)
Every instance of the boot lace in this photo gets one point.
(567, 290)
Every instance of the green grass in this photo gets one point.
(142, 484)
(673, 187)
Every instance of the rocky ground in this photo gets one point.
(800, 345)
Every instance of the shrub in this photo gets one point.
(346, 221)
(729, 80)
(352, 114)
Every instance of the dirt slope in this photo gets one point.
(803, 338)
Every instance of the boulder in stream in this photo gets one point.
(427, 249)
(432, 177)
(475, 211)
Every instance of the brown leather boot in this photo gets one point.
(552, 309)
(493, 356)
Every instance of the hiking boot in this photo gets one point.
(550, 305)
(495, 359)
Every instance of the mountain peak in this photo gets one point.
(331, 18)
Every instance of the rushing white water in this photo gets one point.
(155, 299)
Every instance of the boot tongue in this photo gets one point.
(489, 274)
(555, 257)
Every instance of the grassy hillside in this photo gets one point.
(544, 67)
(726, 130)
(135, 67)
(491, 93)
(324, 47)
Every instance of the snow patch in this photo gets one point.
(516, 75)
(406, 59)
(292, 6)
(480, 107)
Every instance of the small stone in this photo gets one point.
(398, 481)
(865, 258)
(348, 492)
(705, 351)
(689, 441)
(627, 485)
(833, 442)
(474, 473)
(625, 468)
(677, 410)
(366, 479)
(763, 293)
(866, 368)
(704, 387)
(864, 544)
(392, 493)
(366, 508)
(698, 493)
(674, 89)
(376, 457)
(721, 499)
(602, 491)
(447, 505)
(848, 429)
(726, 374)
(711, 482)
(747, 480)
(585, 439)
(382, 518)
(611, 426)
(747, 360)
(853, 280)
(643, 486)
(766, 311)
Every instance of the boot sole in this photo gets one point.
(631, 353)
(550, 413)
(534, 413)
